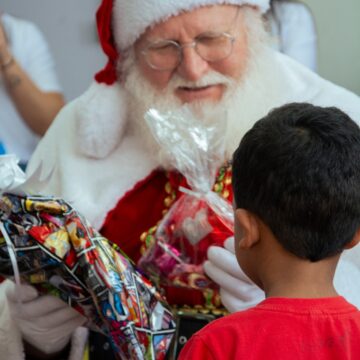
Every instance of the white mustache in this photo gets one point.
(211, 78)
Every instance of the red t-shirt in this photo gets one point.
(282, 328)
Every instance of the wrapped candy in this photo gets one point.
(200, 217)
(48, 244)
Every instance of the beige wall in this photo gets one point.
(338, 24)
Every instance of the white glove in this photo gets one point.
(45, 322)
(237, 291)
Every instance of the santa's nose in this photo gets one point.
(192, 67)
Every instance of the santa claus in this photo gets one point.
(100, 155)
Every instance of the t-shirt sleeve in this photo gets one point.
(196, 349)
(40, 65)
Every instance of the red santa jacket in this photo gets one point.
(133, 222)
(140, 209)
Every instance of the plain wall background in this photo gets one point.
(70, 30)
(338, 24)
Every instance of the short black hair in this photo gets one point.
(298, 170)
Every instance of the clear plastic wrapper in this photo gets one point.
(200, 217)
(46, 243)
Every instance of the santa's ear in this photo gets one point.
(355, 240)
(248, 229)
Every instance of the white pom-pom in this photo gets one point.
(101, 119)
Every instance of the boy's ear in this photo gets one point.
(249, 229)
(355, 240)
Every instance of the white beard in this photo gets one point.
(245, 101)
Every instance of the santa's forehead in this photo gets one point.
(189, 25)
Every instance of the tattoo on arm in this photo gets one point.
(14, 81)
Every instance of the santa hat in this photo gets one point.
(101, 110)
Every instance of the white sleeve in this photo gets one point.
(41, 65)
(31, 50)
(298, 36)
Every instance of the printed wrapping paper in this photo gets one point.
(57, 251)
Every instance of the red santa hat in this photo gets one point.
(101, 110)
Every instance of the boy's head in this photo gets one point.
(298, 171)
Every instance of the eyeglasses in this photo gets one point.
(168, 54)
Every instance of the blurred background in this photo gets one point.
(70, 30)
(338, 26)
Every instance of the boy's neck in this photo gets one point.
(286, 275)
(300, 289)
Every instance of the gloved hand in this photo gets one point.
(237, 291)
(45, 322)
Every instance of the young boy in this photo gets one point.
(296, 182)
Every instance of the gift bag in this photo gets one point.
(45, 242)
(196, 150)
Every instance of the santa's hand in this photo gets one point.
(237, 291)
(45, 322)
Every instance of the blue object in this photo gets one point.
(2, 148)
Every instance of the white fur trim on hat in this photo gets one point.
(132, 17)
(101, 119)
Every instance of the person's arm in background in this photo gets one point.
(36, 107)
(297, 32)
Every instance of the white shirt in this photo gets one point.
(31, 51)
(294, 33)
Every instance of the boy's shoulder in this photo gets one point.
(230, 323)
(221, 337)
(270, 311)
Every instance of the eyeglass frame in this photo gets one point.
(180, 48)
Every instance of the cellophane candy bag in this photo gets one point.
(200, 217)
(48, 244)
